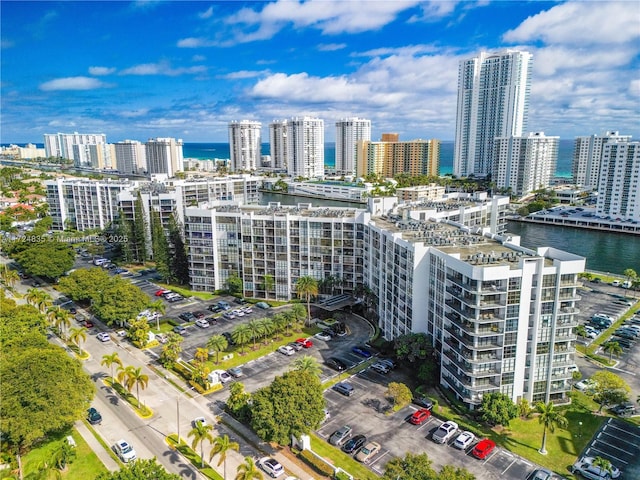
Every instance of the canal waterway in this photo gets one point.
(605, 251)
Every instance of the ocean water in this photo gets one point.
(209, 151)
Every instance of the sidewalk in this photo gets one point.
(96, 446)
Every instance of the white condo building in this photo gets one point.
(85, 149)
(524, 164)
(493, 100)
(619, 187)
(131, 156)
(164, 155)
(245, 145)
(349, 131)
(587, 157)
(278, 144)
(305, 147)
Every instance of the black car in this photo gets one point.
(187, 317)
(424, 402)
(336, 364)
(93, 416)
(229, 338)
(199, 314)
(354, 444)
(215, 308)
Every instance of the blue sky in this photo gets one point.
(135, 70)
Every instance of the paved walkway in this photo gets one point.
(96, 446)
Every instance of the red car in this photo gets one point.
(483, 448)
(88, 324)
(420, 416)
(305, 342)
(159, 293)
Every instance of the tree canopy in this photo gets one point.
(419, 467)
(413, 347)
(48, 259)
(20, 324)
(141, 469)
(498, 409)
(609, 388)
(292, 405)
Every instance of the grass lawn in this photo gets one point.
(340, 459)
(185, 292)
(194, 457)
(86, 464)
(524, 436)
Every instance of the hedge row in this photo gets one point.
(316, 463)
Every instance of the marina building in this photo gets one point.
(524, 164)
(619, 186)
(349, 131)
(392, 157)
(305, 147)
(587, 157)
(493, 101)
(244, 145)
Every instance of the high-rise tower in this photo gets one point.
(587, 157)
(244, 145)
(493, 99)
(305, 147)
(278, 144)
(164, 155)
(348, 132)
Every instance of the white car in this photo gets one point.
(586, 468)
(223, 376)
(199, 420)
(272, 467)
(202, 323)
(238, 313)
(323, 336)
(464, 440)
(103, 337)
(286, 350)
(124, 451)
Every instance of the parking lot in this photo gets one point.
(618, 442)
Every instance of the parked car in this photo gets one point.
(180, 330)
(88, 324)
(624, 409)
(336, 364)
(228, 315)
(202, 323)
(199, 314)
(235, 372)
(542, 474)
(380, 368)
(286, 350)
(363, 352)
(420, 416)
(124, 451)
(483, 448)
(187, 316)
(424, 402)
(161, 337)
(296, 346)
(464, 440)
(272, 467)
(366, 453)
(103, 337)
(93, 416)
(446, 431)
(199, 421)
(223, 376)
(340, 436)
(388, 362)
(229, 338)
(344, 388)
(305, 342)
(215, 308)
(587, 469)
(323, 336)
(263, 305)
(354, 444)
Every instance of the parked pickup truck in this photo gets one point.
(446, 431)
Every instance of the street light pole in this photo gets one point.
(178, 417)
(579, 429)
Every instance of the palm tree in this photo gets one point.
(256, 330)
(307, 287)
(613, 348)
(280, 323)
(43, 301)
(307, 364)
(201, 432)
(137, 378)
(77, 336)
(241, 335)
(549, 417)
(217, 343)
(160, 308)
(248, 470)
(298, 313)
(109, 361)
(605, 466)
(59, 318)
(10, 277)
(32, 296)
(267, 328)
(201, 355)
(221, 445)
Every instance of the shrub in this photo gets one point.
(316, 463)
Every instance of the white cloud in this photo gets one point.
(133, 113)
(241, 74)
(162, 68)
(581, 23)
(195, 42)
(72, 83)
(331, 47)
(198, 58)
(208, 13)
(434, 11)
(4, 43)
(100, 71)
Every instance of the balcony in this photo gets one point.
(492, 287)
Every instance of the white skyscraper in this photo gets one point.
(619, 188)
(348, 132)
(130, 156)
(244, 145)
(85, 149)
(305, 147)
(164, 155)
(278, 144)
(525, 164)
(493, 99)
(587, 157)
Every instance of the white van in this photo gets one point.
(626, 284)
(99, 261)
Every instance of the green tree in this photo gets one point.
(498, 409)
(267, 328)
(37, 399)
(139, 231)
(399, 393)
(307, 287)
(64, 455)
(201, 432)
(118, 301)
(450, 472)
(46, 259)
(413, 347)
(268, 282)
(171, 350)
(604, 464)
(160, 308)
(10, 277)
(179, 258)
(609, 388)
(109, 360)
(78, 336)
(549, 417)
(130, 377)
(19, 323)
(242, 335)
(630, 274)
(255, 327)
(248, 470)
(139, 331)
(410, 467)
(298, 313)
(234, 284)
(612, 348)
(280, 323)
(217, 344)
(292, 405)
(60, 319)
(221, 445)
(238, 402)
(141, 469)
(84, 284)
(307, 364)
(160, 247)
(524, 408)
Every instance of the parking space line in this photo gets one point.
(377, 459)
(514, 461)
(611, 425)
(606, 454)
(612, 446)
